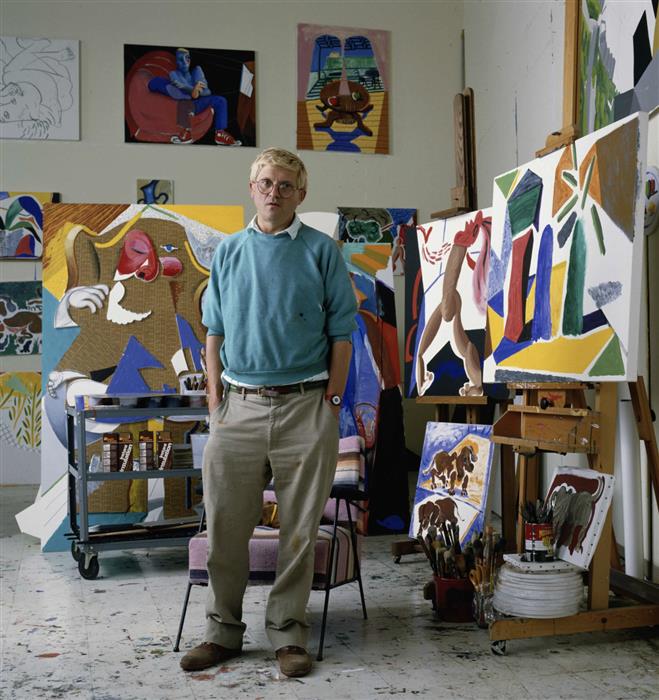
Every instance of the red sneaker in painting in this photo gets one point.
(183, 136)
(224, 138)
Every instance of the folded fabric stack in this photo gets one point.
(538, 589)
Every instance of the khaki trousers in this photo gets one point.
(293, 439)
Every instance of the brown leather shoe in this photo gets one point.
(207, 654)
(293, 661)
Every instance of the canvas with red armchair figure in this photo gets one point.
(182, 95)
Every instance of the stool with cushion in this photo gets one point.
(337, 548)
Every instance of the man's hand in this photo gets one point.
(335, 409)
(215, 398)
(196, 90)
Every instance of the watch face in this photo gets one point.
(336, 400)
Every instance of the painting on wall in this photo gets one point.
(372, 402)
(454, 478)
(580, 500)
(20, 318)
(39, 88)
(564, 280)
(374, 225)
(618, 61)
(20, 427)
(133, 276)
(21, 223)
(342, 89)
(445, 335)
(155, 191)
(183, 95)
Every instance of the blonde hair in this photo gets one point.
(280, 158)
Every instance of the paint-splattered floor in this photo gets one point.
(64, 637)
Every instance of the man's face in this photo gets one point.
(182, 60)
(274, 212)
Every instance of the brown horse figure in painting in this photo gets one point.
(436, 513)
(464, 465)
(440, 468)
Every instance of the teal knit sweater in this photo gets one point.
(279, 303)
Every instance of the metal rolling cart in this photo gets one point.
(86, 545)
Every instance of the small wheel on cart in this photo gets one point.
(498, 648)
(75, 552)
(91, 571)
(397, 559)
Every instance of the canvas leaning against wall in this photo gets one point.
(445, 326)
(378, 225)
(618, 61)
(20, 318)
(182, 95)
(564, 284)
(39, 88)
(123, 285)
(20, 427)
(155, 191)
(21, 223)
(454, 478)
(342, 89)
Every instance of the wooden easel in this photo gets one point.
(597, 428)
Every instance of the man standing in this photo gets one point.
(280, 311)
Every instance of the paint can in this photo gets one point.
(539, 541)
(454, 599)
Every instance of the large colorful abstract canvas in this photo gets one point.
(372, 406)
(564, 280)
(183, 95)
(373, 225)
(580, 500)
(39, 88)
(445, 335)
(20, 318)
(618, 61)
(343, 89)
(20, 427)
(122, 291)
(454, 478)
(21, 223)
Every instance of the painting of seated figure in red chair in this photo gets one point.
(183, 95)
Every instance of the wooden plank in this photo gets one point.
(591, 621)
(571, 64)
(449, 213)
(470, 149)
(607, 406)
(641, 405)
(508, 497)
(458, 197)
(634, 588)
(478, 400)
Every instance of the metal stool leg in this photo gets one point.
(358, 570)
(185, 609)
(328, 583)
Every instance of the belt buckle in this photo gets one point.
(268, 392)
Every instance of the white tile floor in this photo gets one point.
(111, 638)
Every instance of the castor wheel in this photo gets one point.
(91, 570)
(397, 559)
(75, 552)
(498, 648)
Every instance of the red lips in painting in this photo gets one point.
(138, 257)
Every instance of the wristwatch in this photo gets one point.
(334, 399)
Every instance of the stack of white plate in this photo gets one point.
(533, 589)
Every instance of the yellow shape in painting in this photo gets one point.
(55, 270)
(495, 324)
(367, 144)
(556, 296)
(226, 219)
(568, 355)
(530, 301)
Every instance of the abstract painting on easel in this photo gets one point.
(454, 477)
(618, 61)
(342, 89)
(564, 283)
(445, 329)
(580, 500)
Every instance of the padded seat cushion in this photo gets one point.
(263, 547)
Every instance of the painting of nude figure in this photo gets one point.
(445, 329)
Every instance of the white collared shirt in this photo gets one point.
(292, 230)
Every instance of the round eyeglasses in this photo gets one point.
(285, 189)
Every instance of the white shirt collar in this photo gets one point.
(292, 230)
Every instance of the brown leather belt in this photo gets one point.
(273, 391)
